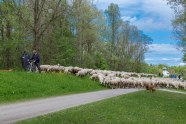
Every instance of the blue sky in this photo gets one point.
(154, 18)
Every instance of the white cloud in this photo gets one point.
(158, 14)
(182, 64)
(164, 48)
(163, 54)
(164, 59)
(170, 59)
(103, 4)
(149, 59)
(149, 24)
(128, 18)
(154, 7)
(159, 7)
(119, 2)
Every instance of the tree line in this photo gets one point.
(71, 33)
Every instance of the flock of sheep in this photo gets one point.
(117, 79)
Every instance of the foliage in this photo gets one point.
(179, 70)
(157, 69)
(70, 34)
(101, 63)
(184, 57)
(179, 22)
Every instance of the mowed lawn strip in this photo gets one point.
(136, 108)
(18, 86)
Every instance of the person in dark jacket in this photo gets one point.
(36, 59)
(25, 60)
(179, 77)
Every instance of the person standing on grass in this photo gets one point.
(36, 59)
(179, 77)
(25, 60)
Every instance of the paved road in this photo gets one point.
(20, 111)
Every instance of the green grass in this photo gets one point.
(136, 108)
(179, 90)
(18, 86)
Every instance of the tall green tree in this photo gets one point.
(114, 19)
(8, 37)
(179, 23)
(38, 16)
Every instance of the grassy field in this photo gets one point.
(179, 90)
(136, 108)
(16, 86)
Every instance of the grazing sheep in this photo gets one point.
(81, 73)
(44, 67)
(67, 70)
(101, 78)
(61, 68)
(56, 68)
(50, 69)
(94, 77)
(117, 79)
(75, 70)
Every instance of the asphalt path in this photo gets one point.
(19, 111)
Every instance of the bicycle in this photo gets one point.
(32, 67)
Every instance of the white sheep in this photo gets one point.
(101, 78)
(94, 76)
(81, 73)
(44, 67)
(117, 79)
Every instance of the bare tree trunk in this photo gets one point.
(2, 33)
(36, 25)
(8, 55)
